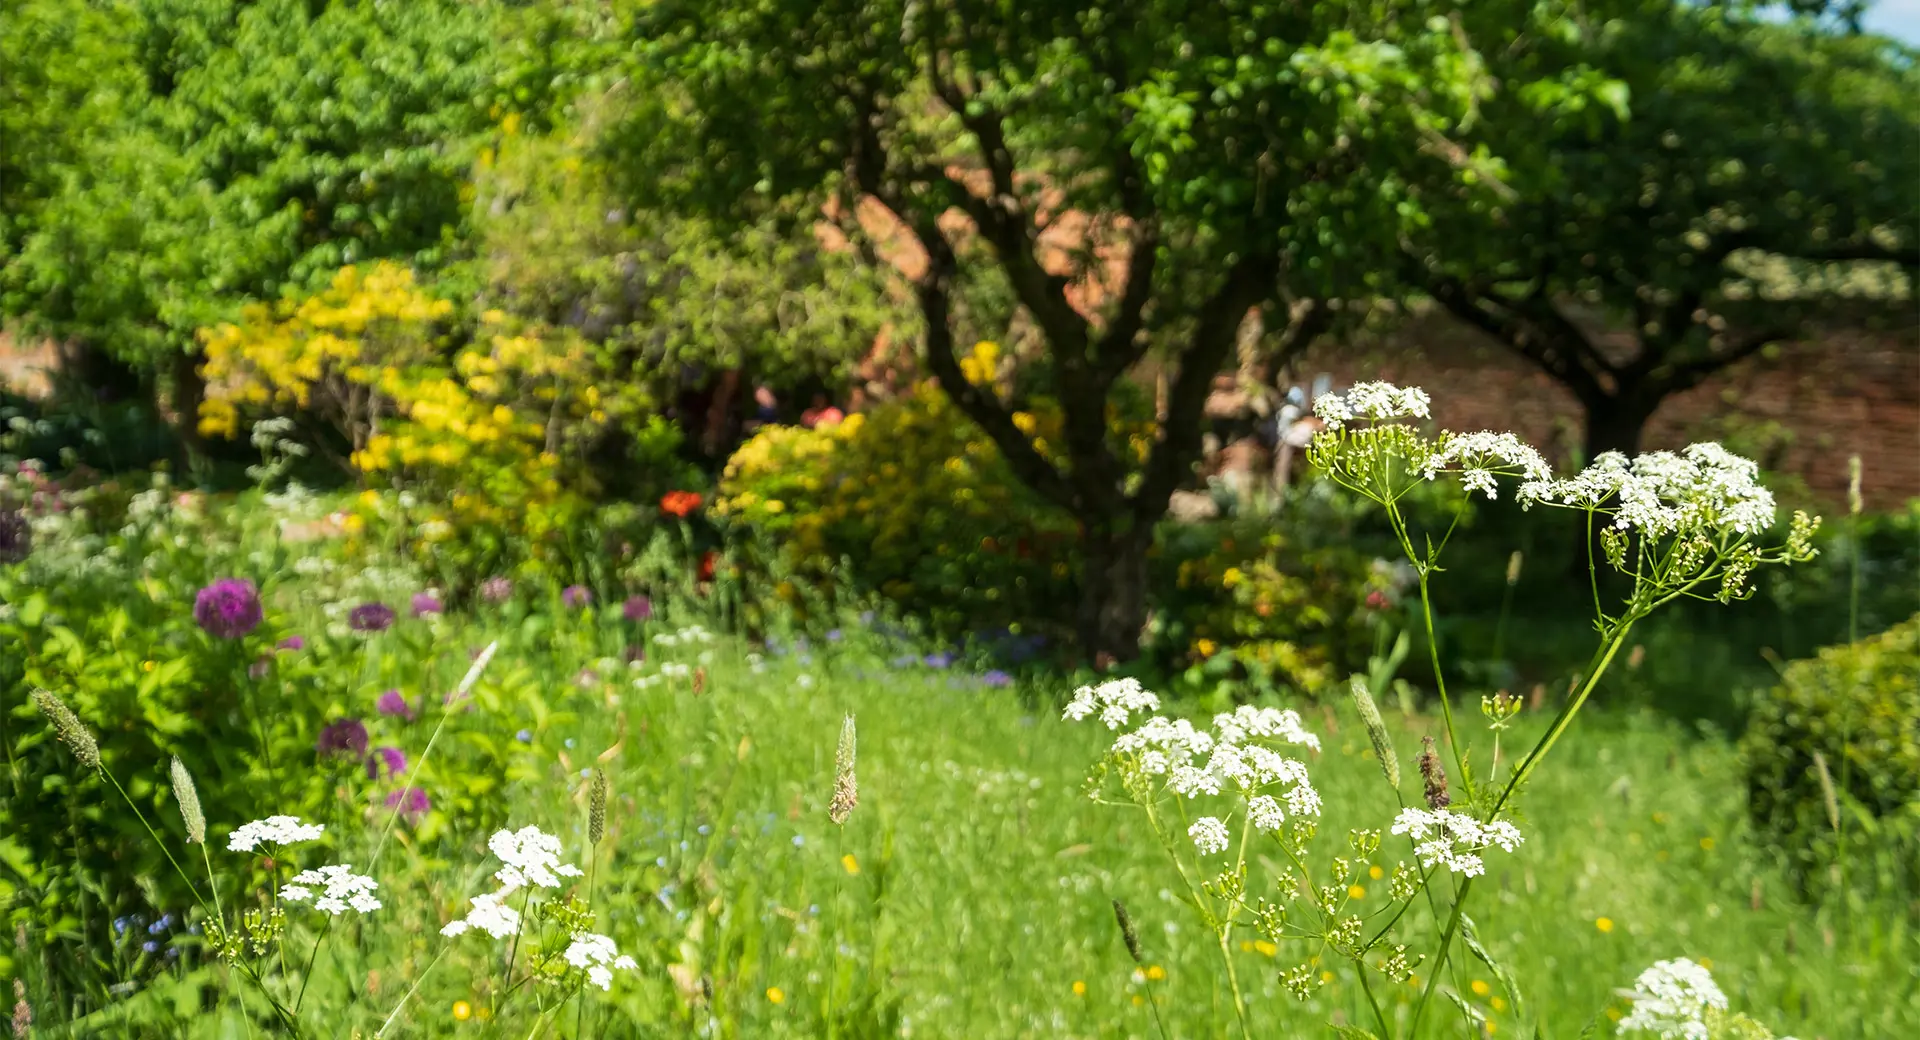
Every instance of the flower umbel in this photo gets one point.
(340, 889)
(274, 830)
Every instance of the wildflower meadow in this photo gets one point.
(868, 519)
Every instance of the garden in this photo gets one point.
(660, 520)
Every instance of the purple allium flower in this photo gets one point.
(576, 596)
(370, 617)
(411, 801)
(391, 703)
(259, 668)
(525, 736)
(291, 643)
(496, 590)
(424, 604)
(348, 738)
(637, 608)
(997, 678)
(833, 635)
(228, 608)
(391, 759)
(16, 536)
(939, 660)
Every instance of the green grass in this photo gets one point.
(981, 904)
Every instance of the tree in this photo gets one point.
(1742, 139)
(256, 148)
(1168, 173)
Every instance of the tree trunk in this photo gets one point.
(188, 390)
(1615, 422)
(1113, 592)
(99, 375)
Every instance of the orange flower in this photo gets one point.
(707, 560)
(680, 503)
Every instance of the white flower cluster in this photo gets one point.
(1705, 487)
(531, 857)
(1115, 700)
(1453, 839)
(1672, 999)
(1196, 762)
(341, 889)
(597, 956)
(1375, 401)
(1209, 835)
(274, 830)
(690, 635)
(1479, 457)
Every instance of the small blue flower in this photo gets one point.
(525, 736)
(939, 660)
(569, 743)
(703, 829)
(799, 840)
(150, 946)
(833, 635)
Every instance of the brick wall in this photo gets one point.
(1804, 406)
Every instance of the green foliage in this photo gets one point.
(1832, 755)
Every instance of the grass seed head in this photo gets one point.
(1435, 776)
(597, 808)
(1376, 731)
(188, 798)
(846, 789)
(1127, 934)
(68, 727)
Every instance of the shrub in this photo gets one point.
(1857, 707)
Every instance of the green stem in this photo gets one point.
(306, 974)
(1565, 718)
(1233, 983)
(155, 835)
(446, 712)
(1446, 946)
(408, 995)
(1386, 1032)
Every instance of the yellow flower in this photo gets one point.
(775, 996)
(1079, 988)
(1659, 817)
(1480, 987)
(1326, 976)
(1232, 577)
(1204, 647)
(1156, 973)
(1490, 1027)
(1137, 1001)
(1356, 892)
(146, 666)
(462, 1010)
(1266, 947)
(1499, 1003)
(1707, 963)
(1375, 872)
(1706, 843)
(852, 865)
(1605, 924)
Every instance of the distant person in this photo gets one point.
(821, 414)
(766, 409)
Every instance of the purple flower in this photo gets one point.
(16, 536)
(392, 759)
(348, 738)
(939, 660)
(424, 604)
(496, 590)
(904, 661)
(291, 643)
(997, 678)
(525, 736)
(637, 608)
(866, 617)
(576, 596)
(391, 704)
(411, 801)
(228, 608)
(833, 635)
(370, 617)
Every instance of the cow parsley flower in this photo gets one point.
(1454, 839)
(1265, 813)
(597, 956)
(1375, 401)
(490, 914)
(1673, 999)
(1193, 782)
(530, 855)
(341, 889)
(1175, 737)
(1210, 835)
(1248, 721)
(274, 830)
(1114, 700)
(1705, 488)
(1479, 457)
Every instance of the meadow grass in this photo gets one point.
(969, 895)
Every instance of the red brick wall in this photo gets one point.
(1813, 403)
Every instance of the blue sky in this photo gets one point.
(1899, 19)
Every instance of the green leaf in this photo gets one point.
(1471, 937)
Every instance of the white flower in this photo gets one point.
(1705, 488)
(1193, 782)
(1303, 801)
(490, 914)
(1113, 700)
(1209, 835)
(1376, 401)
(1173, 736)
(530, 854)
(1454, 839)
(1672, 998)
(342, 889)
(274, 830)
(1481, 456)
(596, 954)
(1265, 813)
(1249, 721)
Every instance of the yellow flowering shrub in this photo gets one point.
(918, 502)
(495, 433)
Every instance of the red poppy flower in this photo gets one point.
(706, 566)
(680, 503)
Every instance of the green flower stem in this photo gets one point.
(1446, 946)
(1565, 718)
(306, 975)
(408, 995)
